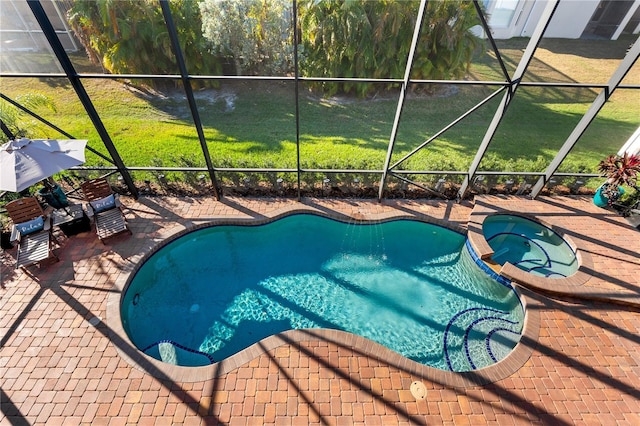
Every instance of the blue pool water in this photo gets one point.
(408, 285)
(529, 245)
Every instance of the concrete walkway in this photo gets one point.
(61, 361)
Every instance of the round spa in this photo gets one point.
(409, 286)
(529, 245)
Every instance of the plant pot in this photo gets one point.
(56, 198)
(5, 240)
(601, 200)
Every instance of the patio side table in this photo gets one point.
(71, 220)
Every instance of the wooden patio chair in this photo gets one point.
(104, 206)
(31, 231)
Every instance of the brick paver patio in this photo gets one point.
(62, 361)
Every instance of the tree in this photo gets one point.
(447, 44)
(339, 38)
(253, 34)
(130, 36)
(360, 38)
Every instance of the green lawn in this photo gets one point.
(252, 124)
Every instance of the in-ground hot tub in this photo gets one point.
(529, 245)
(527, 251)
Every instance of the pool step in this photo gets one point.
(174, 353)
(478, 337)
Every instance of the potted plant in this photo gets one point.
(619, 170)
(629, 203)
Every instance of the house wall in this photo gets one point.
(632, 146)
(569, 21)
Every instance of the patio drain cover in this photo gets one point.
(418, 390)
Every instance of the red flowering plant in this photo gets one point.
(619, 170)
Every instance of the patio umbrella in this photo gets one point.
(24, 162)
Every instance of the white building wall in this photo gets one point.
(569, 21)
(632, 11)
(632, 146)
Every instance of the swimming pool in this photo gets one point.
(408, 285)
(529, 245)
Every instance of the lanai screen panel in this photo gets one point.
(538, 119)
(146, 124)
(249, 124)
(122, 37)
(346, 132)
(24, 48)
(583, 61)
(569, 79)
(611, 128)
(237, 38)
(432, 110)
